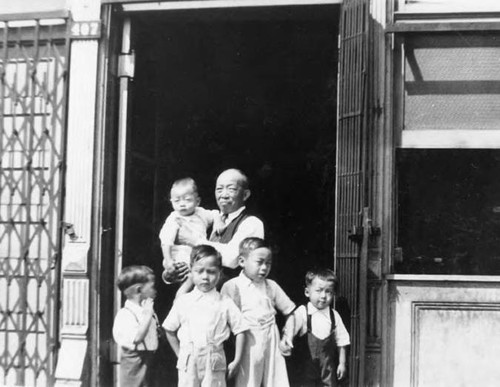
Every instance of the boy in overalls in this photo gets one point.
(135, 326)
(320, 350)
(199, 323)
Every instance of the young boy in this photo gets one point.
(185, 203)
(258, 298)
(199, 323)
(135, 326)
(321, 350)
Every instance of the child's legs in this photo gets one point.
(275, 373)
(251, 370)
(188, 370)
(214, 369)
(133, 367)
(328, 372)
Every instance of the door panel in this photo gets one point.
(33, 68)
(350, 176)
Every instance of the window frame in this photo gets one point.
(431, 138)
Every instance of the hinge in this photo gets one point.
(126, 65)
(377, 110)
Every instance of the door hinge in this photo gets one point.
(126, 65)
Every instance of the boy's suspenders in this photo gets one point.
(332, 321)
(138, 322)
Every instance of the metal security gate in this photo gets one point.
(33, 63)
(350, 176)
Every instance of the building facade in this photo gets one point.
(392, 106)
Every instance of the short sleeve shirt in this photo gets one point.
(126, 326)
(258, 301)
(200, 318)
(320, 324)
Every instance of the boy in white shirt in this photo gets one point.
(321, 348)
(199, 323)
(259, 298)
(135, 326)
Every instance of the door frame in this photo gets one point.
(110, 155)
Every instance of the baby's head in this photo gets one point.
(137, 282)
(320, 287)
(206, 266)
(255, 258)
(184, 196)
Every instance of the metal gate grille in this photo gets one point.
(350, 185)
(33, 62)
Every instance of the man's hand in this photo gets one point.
(175, 271)
(147, 307)
(231, 369)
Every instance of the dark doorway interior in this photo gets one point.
(248, 88)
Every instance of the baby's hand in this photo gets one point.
(147, 307)
(231, 370)
(341, 371)
(285, 346)
(219, 224)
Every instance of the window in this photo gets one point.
(448, 157)
(449, 211)
(450, 91)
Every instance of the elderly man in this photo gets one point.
(231, 193)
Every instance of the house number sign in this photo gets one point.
(86, 29)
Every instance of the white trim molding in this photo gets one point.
(208, 4)
(449, 139)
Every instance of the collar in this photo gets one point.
(247, 281)
(197, 294)
(234, 214)
(311, 309)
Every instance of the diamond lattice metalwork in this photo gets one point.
(33, 65)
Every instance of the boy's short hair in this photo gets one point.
(134, 275)
(185, 181)
(204, 251)
(324, 274)
(250, 244)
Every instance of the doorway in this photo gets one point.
(253, 89)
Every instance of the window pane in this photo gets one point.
(452, 82)
(418, 6)
(449, 211)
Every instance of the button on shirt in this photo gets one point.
(320, 324)
(258, 300)
(126, 326)
(203, 318)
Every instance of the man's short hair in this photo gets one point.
(242, 180)
(204, 251)
(250, 244)
(321, 273)
(185, 181)
(134, 275)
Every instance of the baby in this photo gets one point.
(187, 218)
